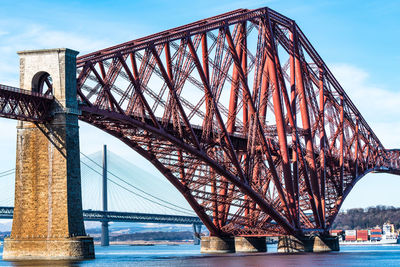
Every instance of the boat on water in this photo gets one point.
(383, 241)
(375, 236)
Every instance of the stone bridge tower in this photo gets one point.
(48, 221)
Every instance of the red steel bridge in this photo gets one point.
(238, 111)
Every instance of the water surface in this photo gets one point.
(189, 255)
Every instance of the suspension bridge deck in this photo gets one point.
(114, 216)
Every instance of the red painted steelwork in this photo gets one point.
(279, 146)
(24, 105)
(241, 115)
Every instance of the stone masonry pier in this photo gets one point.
(286, 244)
(291, 244)
(239, 244)
(48, 221)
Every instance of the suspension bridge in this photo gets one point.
(111, 181)
(238, 112)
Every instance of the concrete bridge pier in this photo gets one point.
(250, 244)
(48, 220)
(215, 244)
(196, 233)
(291, 244)
(239, 244)
(105, 237)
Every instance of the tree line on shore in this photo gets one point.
(367, 218)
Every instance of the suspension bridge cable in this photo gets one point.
(144, 192)
(13, 169)
(135, 193)
(7, 172)
(92, 199)
(150, 199)
(182, 209)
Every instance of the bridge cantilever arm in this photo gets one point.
(221, 124)
(267, 208)
(175, 96)
(260, 129)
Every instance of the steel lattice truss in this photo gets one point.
(242, 116)
(25, 105)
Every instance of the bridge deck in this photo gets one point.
(113, 216)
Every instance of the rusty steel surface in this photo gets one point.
(242, 116)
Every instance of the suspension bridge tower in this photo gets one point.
(48, 221)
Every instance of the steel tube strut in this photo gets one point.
(249, 169)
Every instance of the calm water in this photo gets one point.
(189, 255)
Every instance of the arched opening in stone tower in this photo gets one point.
(42, 83)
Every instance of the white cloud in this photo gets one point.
(31, 36)
(41, 37)
(380, 108)
(378, 105)
(26, 36)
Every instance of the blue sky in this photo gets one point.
(359, 41)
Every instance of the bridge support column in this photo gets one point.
(215, 244)
(291, 244)
(48, 221)
(196, 234)
(105, 238)
(250, 244)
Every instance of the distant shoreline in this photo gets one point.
(147, 243)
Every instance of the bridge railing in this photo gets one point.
(23, 91)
